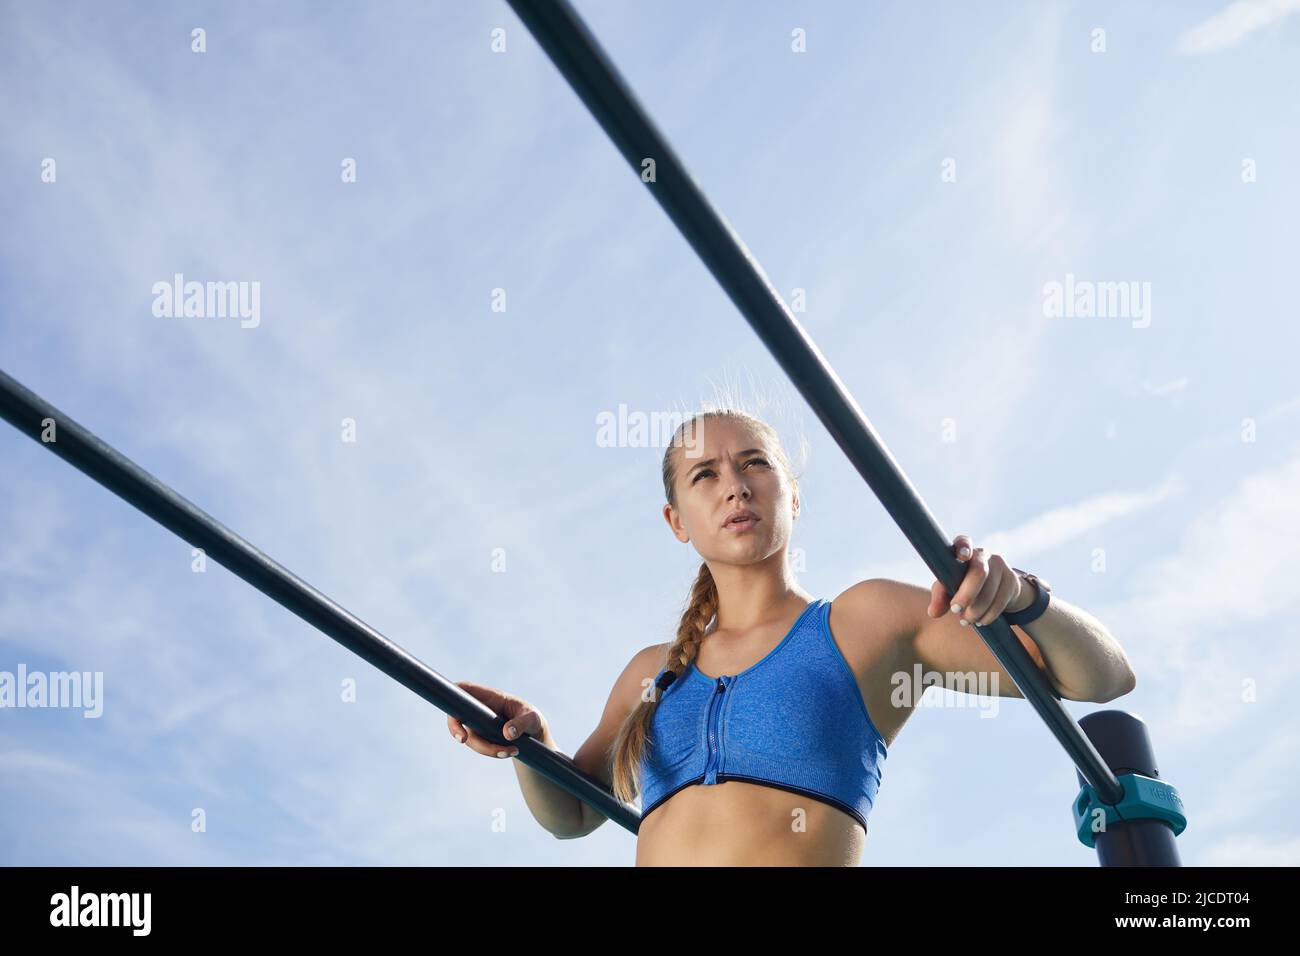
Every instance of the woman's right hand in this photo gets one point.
(519, 714)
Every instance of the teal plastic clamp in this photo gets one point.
(1145, 798)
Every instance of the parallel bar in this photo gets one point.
(579, 57)
(31, 415)
(1122, 740)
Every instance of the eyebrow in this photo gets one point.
(712, 461)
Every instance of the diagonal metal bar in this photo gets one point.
(41, 421)
(575, 52)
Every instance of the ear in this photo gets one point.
(675, 525)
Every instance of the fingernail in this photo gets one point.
(956, 609)
(462, 738)
(514, 753)
(965, 551)
(965, 623)
(502, 753)
(510, 731)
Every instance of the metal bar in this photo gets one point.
(41, 421)
(1123, 741)
(578, 56)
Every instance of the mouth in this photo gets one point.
(740, 521)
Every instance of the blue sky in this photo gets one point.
(1169, 447)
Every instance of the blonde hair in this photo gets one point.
(701, 608)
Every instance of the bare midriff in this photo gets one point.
(735, 823)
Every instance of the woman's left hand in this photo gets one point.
(988, 588)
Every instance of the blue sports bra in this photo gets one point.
(796, 721)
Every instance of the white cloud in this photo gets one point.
(21, 761)
(1057, 527)
(1045, 532)
(1233, 24)
(1166, 388)
(1194, 629)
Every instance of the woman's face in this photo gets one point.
(727, 468)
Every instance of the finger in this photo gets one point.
(492, 698)
(481, 691)
(478, 691)
(962, 545)
(529, 723)
(480, 744)
(938, 600)
(1006, 591)
(457, 728)
(976, 572)
(982, 601)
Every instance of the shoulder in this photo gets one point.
(625, 695)
(596, 755)
(891, 610)
(642, 669)
(874, 623)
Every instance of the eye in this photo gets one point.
(707, 471)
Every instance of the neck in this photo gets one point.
(752, 595)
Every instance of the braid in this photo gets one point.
(629, 748)
(700, 611)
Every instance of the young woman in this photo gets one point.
(757, 736)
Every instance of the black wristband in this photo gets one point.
(1037, 606)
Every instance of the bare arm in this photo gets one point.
(1074, 652)
(556, 809)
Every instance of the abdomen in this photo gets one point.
(744, 824)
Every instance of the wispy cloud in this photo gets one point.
(1234, 24)
(1193, 624)
(1166, 388)
(1060, 526)
(1048, 531)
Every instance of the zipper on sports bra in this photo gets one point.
(715, 736)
